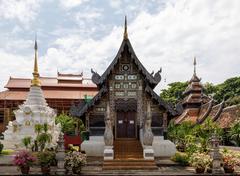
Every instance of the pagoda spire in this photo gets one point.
(194, 64)
(35, 81)
(125, 36)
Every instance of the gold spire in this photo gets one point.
(35, 80)
(194, 64)
(125, 36)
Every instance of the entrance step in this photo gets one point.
(129, 156)
(132, 164)
(128, 149)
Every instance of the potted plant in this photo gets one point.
(229, 162)
(45, 159)
(200, 161)
(24, 159)
(74, 160)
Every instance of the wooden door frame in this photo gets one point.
(116, 125)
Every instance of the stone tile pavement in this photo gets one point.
(94, 167)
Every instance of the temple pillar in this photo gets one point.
(165, 124)
(148, 151)
(140, 107)
(108, 136)
(87, 121)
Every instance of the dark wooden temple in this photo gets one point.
(127, 87)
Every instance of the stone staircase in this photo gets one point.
(129, 156)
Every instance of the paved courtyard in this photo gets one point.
(94, 167)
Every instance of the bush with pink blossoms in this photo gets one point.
(24, 158)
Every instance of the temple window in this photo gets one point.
(96, 124)
(1, 116)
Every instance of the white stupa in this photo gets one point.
(34, 110)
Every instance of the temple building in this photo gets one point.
(126, 115)
(60, 92)
(197, 107)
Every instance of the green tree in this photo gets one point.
(181, 134)
(67, 122)
(234, 133)
(209, 89)
(27, 141)
(205, 131)
(174, 92)
(228, 90)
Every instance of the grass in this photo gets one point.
(7, 152)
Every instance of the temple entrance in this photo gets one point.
(126, 124)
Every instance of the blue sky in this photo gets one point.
(76, 35)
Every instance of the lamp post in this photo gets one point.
(60, 156)
(216, 156)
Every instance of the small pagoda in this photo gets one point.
(34, 110)
(196, 106)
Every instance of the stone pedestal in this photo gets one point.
(163, 148)
(60, 156)
(108, 153)
(148, 153)
(94, 146)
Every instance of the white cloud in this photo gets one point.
(68, 4)
(115, 4)
(169, 38)
(24, 11)
(15, 66)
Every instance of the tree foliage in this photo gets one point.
(229, 91)
(234, 133)
(69, 123)
(191, 138)
(174, 92)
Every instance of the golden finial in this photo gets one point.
(194, 64)
(35, 80)
(125, 29)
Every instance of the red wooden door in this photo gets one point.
(126, 125)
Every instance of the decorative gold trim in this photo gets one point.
(35, 81)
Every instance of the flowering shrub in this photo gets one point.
(24, 158)
(200, 160)
(230, 158)
(181, 158)
(75, 159)
(45, 158)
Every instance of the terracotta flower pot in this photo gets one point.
(24, 169)
(45, 170)
(76, 170)
(228, 169)
(200, 170)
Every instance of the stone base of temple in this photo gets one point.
(94, 146)
(108, 153)
(148, 153)
(163, 148)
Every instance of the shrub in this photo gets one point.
(181, 158)
(7, 152)
(69, 124)
(234, 133)
(200, 160)
(75, 160)
(24, 158)
(43, 139)
(1, 147)
(45, 158)
(27, 141)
